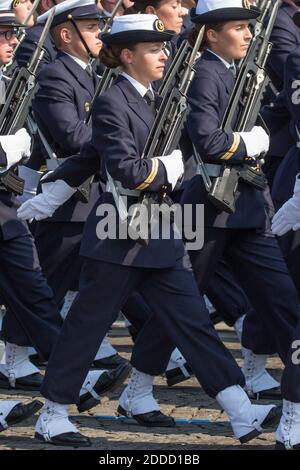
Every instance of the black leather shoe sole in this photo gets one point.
(175, 376)
(21, 411)
(270, 394)
(30, 382)
(280, 446)
(153, 419)
(108, 382)
(67, 439)
(272, 419)
(110, 362)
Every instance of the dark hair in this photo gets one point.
(110, 54)
(195, 31)
(140, 6)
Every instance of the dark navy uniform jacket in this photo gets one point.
(208, 98)
(28, 46)
(61, 106)
(121, 124)
(285, 37)
(290, 165)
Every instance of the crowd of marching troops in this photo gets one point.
(80, 151)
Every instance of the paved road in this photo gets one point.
(187, 402)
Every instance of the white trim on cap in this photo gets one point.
(204, 6)
(64, 6)
(6, 5)
(137, 22)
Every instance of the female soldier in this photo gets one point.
(254, 258)
(114, 267)
(224, 291)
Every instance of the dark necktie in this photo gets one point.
(150, 100)
(89, 70)
(233, 70)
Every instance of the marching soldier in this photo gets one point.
(12, 150)
(289, 168)
(113, 268)
(253, 257)
(32, 317)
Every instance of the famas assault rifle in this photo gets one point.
(19, 95)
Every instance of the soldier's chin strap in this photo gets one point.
(70, 18)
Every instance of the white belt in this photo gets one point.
(123, 191)
(212, 169)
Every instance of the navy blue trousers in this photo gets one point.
(32, 317)
(257, 262)
(178, 310)
(290, 247)
(226, 295)
(58, 245)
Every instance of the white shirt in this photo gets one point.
(227, 64)
(141, 89)
(80, 62)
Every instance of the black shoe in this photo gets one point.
(110, 362)
(133, 332)
(175, 376)
(270, 394)
(152, 419)
(29, 382)
(38, 361)
(215, 318)
(281, 446)
(21, 411)
(107, 382)
(67, 439)
(272, 419)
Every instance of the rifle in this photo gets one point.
(246, 97)
(20, 93)
(177, 68)
(164, 137)
(110, 19)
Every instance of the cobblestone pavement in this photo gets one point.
(187, 401)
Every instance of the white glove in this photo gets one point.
(45, 204)
(288, 216)
(173, 164)
(16, 147)
(256, 141)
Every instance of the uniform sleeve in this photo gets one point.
(55, 110)
(284, 42)
(113, 140)
(204, 122)
(77, 169)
